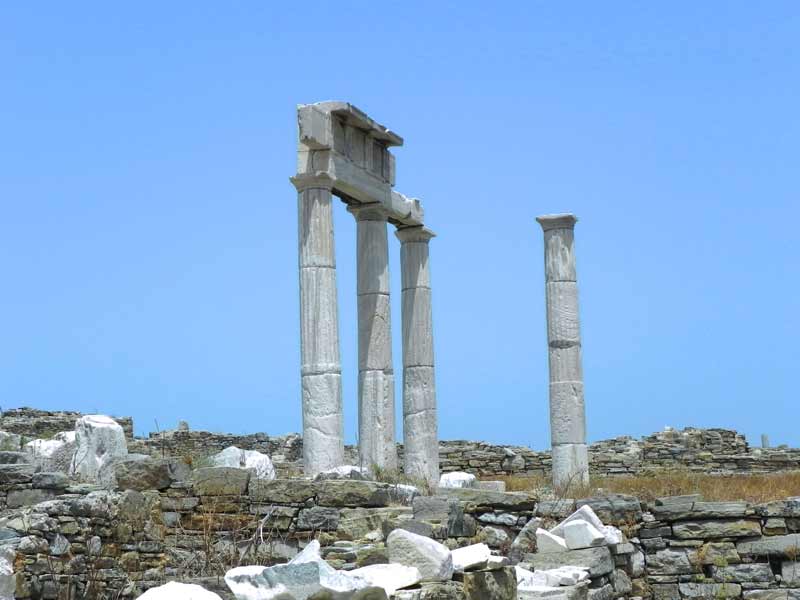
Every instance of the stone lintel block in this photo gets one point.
(563, 319)
(716, 529)
(565, 363)
(376, 417)
(319, 323)
(315, 128)
(776, 545)
(567, 413)
(570, 465)
(315, 228)
(354, 494)
(282, 491)
(374, 332)
(323, 425)
(417, 328)
(405, 210)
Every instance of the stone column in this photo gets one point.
(321, 371)
(420, 435)
(567, 411)
(377, 446)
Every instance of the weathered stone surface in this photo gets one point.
(719, 553)
(669, 562)
(790, 571)
(318, 518)
(765, 595)
(258, 463)
(777, 545)
(11, 442)
(142, 474)
(470, 557)
(710, 590)
(580, 534)
(547, 542)
(495, 500)
(390, 577)
(8, 582)
(597, 560)
(500, 584)
(17, 498)
(356, 523)
(584, 513)
(353, 494)
(760, 572)
(525, 542)
(495, 537)
(614, 509)
(714, 529)
(50, 481)
(457, 480)
(54, 454)
(11, 474)
(434, 561)
(282, 491)
(343, 472)
(220, 481)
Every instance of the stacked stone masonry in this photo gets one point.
(67, 540)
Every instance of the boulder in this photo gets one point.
(54, 454)
(580, 534)
(457, 480)
(434, 561)
(99, 440)
(178, 591)
(547, 542)
(391, 577)
(259, 464)
(304, 576)
(470, 557)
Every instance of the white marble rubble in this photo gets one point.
(434, 560)
(178, 591)
(99, 440)
(586, 513)
(259, 464)
(343, 472)
(457, 479)
(304, 576)
(54, 454)
(470, 557)
(8, 581)
(579, 534)
(547, 542)
(391, 577)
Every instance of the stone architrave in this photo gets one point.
(321, 371)
(376, 414)
(567, 410)
(420, 429)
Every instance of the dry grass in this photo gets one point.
(750, 488)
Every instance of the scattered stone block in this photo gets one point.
(579, 534)
(547, 542)
(220, 481)
(434, 561)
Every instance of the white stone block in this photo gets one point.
(434, 560)
(98, 441)
(8, 580)
(580, 534)
(323, 442)
(260, 465)
(470, 557)
(55, 454)
(547, 542)
(457, 479)
(584, 513)
(390, 577)
(178, 591)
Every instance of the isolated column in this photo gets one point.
(321, 371)
(376, 421)
(567, 410)
(420, 435)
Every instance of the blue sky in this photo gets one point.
(148, 230)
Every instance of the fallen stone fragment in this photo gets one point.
(434, 560)
(343, 472)
(457, 480)
(260, 465)
(470, 557)
(581, 534)
(584, 513)
(54, 454)
(390, 577)
(178, 591)
(99, 440)
(547, 542)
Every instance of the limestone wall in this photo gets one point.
(34, 423)
(83, 542)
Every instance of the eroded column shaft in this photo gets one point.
(376, 410)
(420, 433)
(567, 410)
(323, 424)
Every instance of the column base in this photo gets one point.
(323, 424)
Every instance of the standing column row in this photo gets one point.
(567, 411)
(321, 371)
(421, 439)
(376, 416)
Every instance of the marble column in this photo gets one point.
(567, 410)
(321, 371)
(377, 446)
(420, 435)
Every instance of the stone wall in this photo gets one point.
(34, 423)
(81, 542)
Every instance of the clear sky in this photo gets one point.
(148, 231)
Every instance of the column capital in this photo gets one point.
(415, 234)
(307, 181)
(562, 221)
(374, 211)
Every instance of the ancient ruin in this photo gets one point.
(567, 410)
(344, 153)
